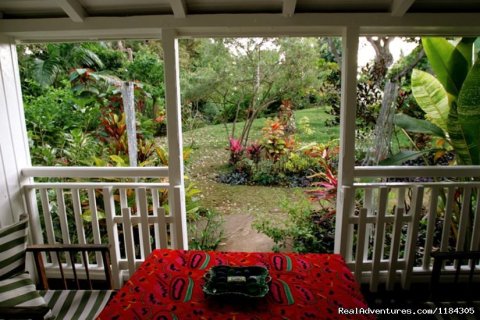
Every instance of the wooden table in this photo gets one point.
(168, 285)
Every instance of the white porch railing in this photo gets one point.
(389, 229)
(126, 213)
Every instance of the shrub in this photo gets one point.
(305, 229)
(205, 229)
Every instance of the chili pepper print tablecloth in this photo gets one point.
(168, 285)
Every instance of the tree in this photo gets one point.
(243, 77)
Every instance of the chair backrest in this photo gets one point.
(457, 258)
(70, 252)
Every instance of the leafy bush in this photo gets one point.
(305, 229)
(48, 117)
(205, 230)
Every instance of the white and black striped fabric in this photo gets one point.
(13, 242)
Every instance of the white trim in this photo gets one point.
(94, 172)
(14, 153)
(420, 171)
(179, 8)
(400, 7)
(94, 185)
(289, 7)
(73, 9)
(347, 138)
(301, 24)
(176, 194)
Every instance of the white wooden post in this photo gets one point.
(176, 195)
(347, 138)
(14, 152)
(128, 98)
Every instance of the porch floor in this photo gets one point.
(420, 296)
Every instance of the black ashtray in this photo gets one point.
(251, 281)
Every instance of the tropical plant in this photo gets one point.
(56, 60)
(450, 100)
(236, 150)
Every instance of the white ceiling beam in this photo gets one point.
(289, 7)
(179, 8)
(73, 9)
(236, 25)
(400, 7)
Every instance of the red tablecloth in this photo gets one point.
(168, 285)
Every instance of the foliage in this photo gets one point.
(48, 117)
(205, 230)
(369, 96)
(274, 139)
(236, 151)
(451, 102)
(305, 229)
(54, 61)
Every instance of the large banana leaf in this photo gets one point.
(431, 97)
(450, 63)
(414, 125)
(457, 137)
(469, 112)
(402, 156)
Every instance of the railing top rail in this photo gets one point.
(95, 172)
(95, 185)
(416, 171)
(411, 184)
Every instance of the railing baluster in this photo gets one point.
(112, 233)
(161, 225)
(77, 212)
(155, 206)
(128, 231)
(379, 238)
(432, 219)
(412, 234)
(130, 245)
(48, 221)
(62, 217)
(447, 219)
(368, 229)
(464, 219)
(396, 237)
(145, 229)
(474, 244)
(162, 228)
(362, 222)
(97, 239)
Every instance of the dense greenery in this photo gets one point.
(252, 88)
(74, 107)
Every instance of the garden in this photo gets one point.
(261, 123)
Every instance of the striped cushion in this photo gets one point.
(76, 304)
(19, 291)
(13, 242)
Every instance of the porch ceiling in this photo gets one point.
(56, 20)
(80, 9)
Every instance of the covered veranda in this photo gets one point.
(360, 237)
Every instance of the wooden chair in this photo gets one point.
(77, 294)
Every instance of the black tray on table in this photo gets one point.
(250, 281)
